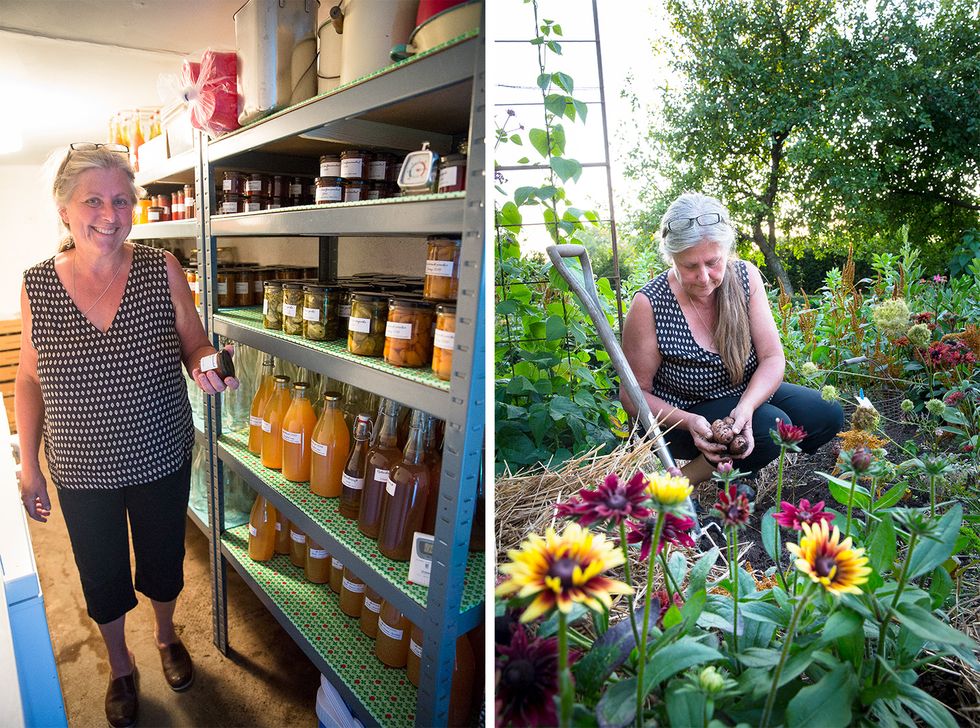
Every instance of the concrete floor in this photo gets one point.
(264, 681)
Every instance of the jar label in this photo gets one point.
(345, 311)
(311, 314)
(254, 421)
(415, 648)
(253, 185)
(265, 307)
(222, 288)
(359, 325)
(226, 185)
(241, 289)
(318, 554)
(266, 426)
(390, 487)
(296, 190)
(372, 606)
(179, 208)
(444, 339)
(318, 448)
(297, 537)
(197, 287)
(353, 587)
(377, 169)
(258, 286)
(289, 309)
(209, 363)
(153, 215)
(188, 202)
(336, 565)
(252, 530)
(251, 206)
(278, 525)
(351, 482)
(395, 330)
(330, 169)
(329, 194)
(373, 195)
(296, 438)
(380, 476)
(395, 634)
(447, 177)
(442, 268)
(352, 194)
(352, 168)
(229, 207)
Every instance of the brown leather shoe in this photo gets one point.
(122, 700)
(177, 666)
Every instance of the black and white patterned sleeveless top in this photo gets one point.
(116, 411)
(688, 373)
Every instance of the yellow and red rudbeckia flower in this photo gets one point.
(828, 561)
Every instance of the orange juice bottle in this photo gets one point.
(330, 446)
(272, 415)
(384, 453)
(317, 567)
(282, 534)
(406, 495)
(262, 530)
(255, 413)
(391, 646)
(297, 428)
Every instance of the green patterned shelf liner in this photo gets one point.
(251, 317)
(325, 512)
(408, 199)
(314, 611)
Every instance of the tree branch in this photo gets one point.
(955, 202)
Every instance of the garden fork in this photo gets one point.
(585, 289)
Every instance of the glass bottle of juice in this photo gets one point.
(272, 416)
(297, 429)
(317, 563)
(330, 446)
(262, 530)
(351, 594)
(353, 478)
(266, 384)
(432, 458)
(405, 496)
(382, 455)
(297, 546)
(282, 534)
(370, 612)
(336, 575)
(391, 646)
(413, 663)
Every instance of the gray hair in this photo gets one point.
(691, 205)
(71, 167)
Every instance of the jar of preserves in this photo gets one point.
(441, 269)
(190, 209)
(163, 202)
(244, 279)
(443, 341)
(343, 314)
(272, 305)
(375, 191)
(354, 164)
(257, 185)
(321, 306)
(141, 213)
(279, 187)
(408, 333)
(351, 593)
(272, 203)
(329, 189)
(254, 203)
(366, 326)
(154, 214)
(226, 287)
(295, 190)
(288, 274)
(452, 173)
(262, 274)
(370, 611)
(233, 182)
(232, 203)
(355, 191)
(380, 168)
(330, 165)
(292, 308)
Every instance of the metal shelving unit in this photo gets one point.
(186, 229)
(443, 92)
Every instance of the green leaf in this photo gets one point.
(539, 140)
(932, 712)
(674, 658)
(523, 194)
(769, 530)
(581, 108)
(882, 545)
(840, 624)
(678, 566)
(840, 490)
(698, 574)
(510, 217)
(685, 707)
(566, 168)
(544, 80)
(549, 627)
(759, 657)
(617, 707)
(891, 496)
(763, 612)
(940, 586)
(516, 139)
(506, 307)
(827, 703)
(555, 104)
(693, 607)
(931, 553)
(564, 82)
(555, 328)
(923, 624)
(672, 616)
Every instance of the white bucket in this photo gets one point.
(328, 60)
(370, 30)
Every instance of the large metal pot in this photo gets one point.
(370, 28)
(439, 28)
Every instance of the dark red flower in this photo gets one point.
(954, 398)
(795, 516)
(861, 459)
(664, 600)
(527, 681)
(675, 531)
(788, 436)
(968, 448)
(922, 318)
(733, 507)
(613, 501)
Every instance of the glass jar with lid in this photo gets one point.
(366, 326)
(244, 279)
(441, 269)
(343, 313)
(355, 191)
(233, 182)
(380, 168)
(408, 333)
(190, 210)
(330, 165)
(231, 203)
(226, 287)
(452, 173)
(354, 164)
(321, 309)
(292, 308)
(443, 341)
(255, 203)
(329, 189)
(257, 185)
(272, 305)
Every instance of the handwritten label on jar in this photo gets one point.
(353, 587)
(329, 194)
(296, 438)
(188, 202)
(330, 169)
(336, 565)
(297, 537)
(352, 168)
(351, 482)
(380, 476)
(389, 631)
(222, 288)
(311, 314)
(254, 421)
(345, 311)
(415, 648)
(241, 289)
(289, 309)
(442, 268)
(395, 330)
(447, 177)
(255, 185)
(252, 206)
(296, 190)
(359, 325)
(377, 169)
(318, 448)
(259, 285)
(318, 554)
(444, 339)
(226, 185)
(229, 207)
(372, 606)
(266, 426)
(252, 530)
(390, 487)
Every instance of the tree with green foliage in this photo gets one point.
(820, 123)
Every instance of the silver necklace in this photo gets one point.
(698, 314)
(74, 283)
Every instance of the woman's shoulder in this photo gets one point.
(42, 267)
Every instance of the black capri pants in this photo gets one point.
(791, 403)
(96, 521)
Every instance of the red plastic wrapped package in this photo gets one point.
(211, 91)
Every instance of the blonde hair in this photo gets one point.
(732, 333)
(70, 168)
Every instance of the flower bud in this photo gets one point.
(861, 459)
(829, 393)
(935, 407)
(711, 680)
(907, 405)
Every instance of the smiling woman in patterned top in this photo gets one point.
(703, 345)
(106, 328)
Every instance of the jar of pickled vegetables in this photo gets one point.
(366, 326)
(292, 308)
(443, 341)
(441, 269)
(321, 309)
(343, 313)
(272, 305)
(408, 333)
